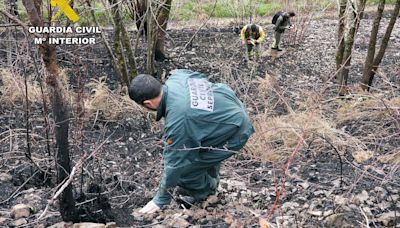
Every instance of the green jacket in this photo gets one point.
(281, 23)
(197, 114)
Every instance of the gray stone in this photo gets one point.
(89, 225)
(315, 213)
(290, 205)
(328, 212)
(388, 217)
(361, 198)
(304, 185)
(20, 211)
(383, 205)
(159, 226)
(5, 177)
(39, 226)
(180, 222)
(340, 200)
(111, 225)
(3, 221)
(19, 222)
(61, 225)
(212, 199)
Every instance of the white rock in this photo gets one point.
(290, 205)
(180, 222)
(111, 225)
(328, 212)
(340, 200)
(20, 211)
(304, 185)
(212, 199)
(367, 211)
(383, 205)
(361, 198)
(388, 217)
(3, 221)
(315, 213)
(19, 222)
(5, 177)
(61, 225)
(89, 225)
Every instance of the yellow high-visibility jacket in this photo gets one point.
(246, 33)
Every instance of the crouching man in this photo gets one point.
(205, 123)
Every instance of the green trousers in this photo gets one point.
(202, 178)
(277, 40)
(253, 48)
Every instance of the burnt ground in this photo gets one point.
(323, 186)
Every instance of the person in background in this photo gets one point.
(205, 123)
(252, 35)
(282, 22)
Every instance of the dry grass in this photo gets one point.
(13, 89)
(100, 99)
(111, 104)
(276, 137)
(375, 108)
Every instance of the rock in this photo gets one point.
(5, 177)
(361, 198)
(319, 193)
(20, 211)
(212, 199)
(367, 211)
(337, 220)
(159, 226)
(388, 218)
(111, 225)
(61, 225)
(290, 205)
(89, 225)
(315, 213)
(19, 222)
(39, 226)
(3, 221)
(328, 212)
(304, 185)
(383, 205)
(179, 222)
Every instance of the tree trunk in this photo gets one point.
(162, 22)
(372, 42)
(13, 10)
(162, 11)
(366, 81)
(151, 38)
(118, 42)
(138, 9)
(130, 54)
(114, 61)
(60, 112)
(340, 49)
(355, 18)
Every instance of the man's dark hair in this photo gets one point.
(144, 87)
(253, 28)
(291, 14)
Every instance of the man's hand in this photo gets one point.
(150, 208)
(251, 41)
(243, 42)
